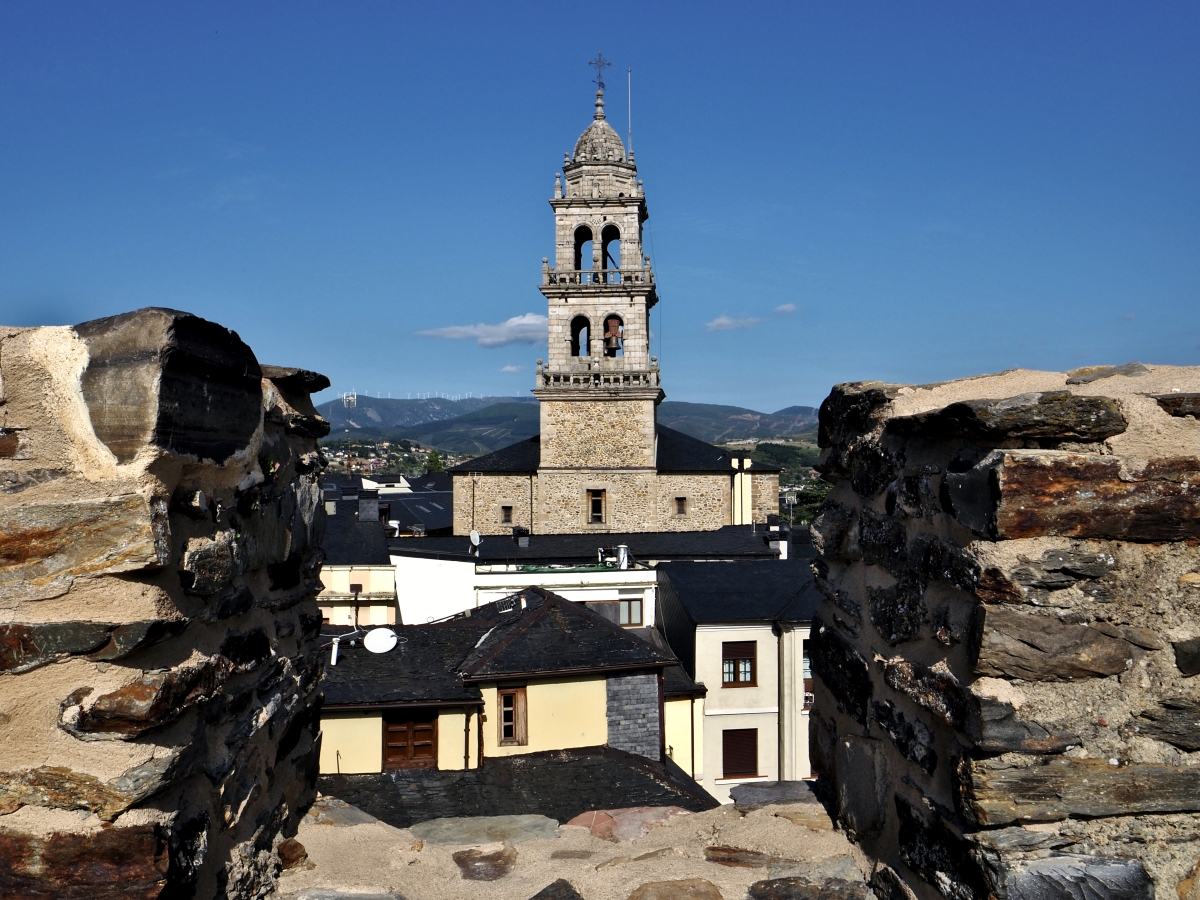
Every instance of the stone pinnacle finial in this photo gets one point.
(599, 104)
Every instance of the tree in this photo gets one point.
(433, 463)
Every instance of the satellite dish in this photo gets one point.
(380, 640)
(475, 539)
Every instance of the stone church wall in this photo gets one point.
(562, 501)
(709, 501)
(158, 666)
(1007, 651)
(603, 434)
(478, 503)
(764, 495)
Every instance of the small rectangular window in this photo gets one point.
(356, 588)
(506, 515)
(512, 725)
(681, 506)
(739, 664)
(631, 612)
(739, 753)
(595, 507)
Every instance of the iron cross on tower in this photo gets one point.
(600, 64)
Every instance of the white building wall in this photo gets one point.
(432, 589)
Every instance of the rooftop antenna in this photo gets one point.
(600, 64)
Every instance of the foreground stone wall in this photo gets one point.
(160, 526)
(1005, 702)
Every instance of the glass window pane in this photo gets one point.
(744, 670)
(635, 612)
(727, 673)
(624, 612)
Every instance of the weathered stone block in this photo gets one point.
(110, 864)
(913, 738)
(1176, 721)
(898, 611)
(43, 546)
(863, 783)
(938, 855)
(995, 793)
(25, 647)
(932, 687)
(842, 669)
(1041, 648)
(1187, 656)
(164, 378)
(1067, 877)
(1048, 416)
(1180, 405)
(998, 729)
(801, 888)
(1027, 493)
(482, 865)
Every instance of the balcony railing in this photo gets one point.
(551, 275)
(597, 380)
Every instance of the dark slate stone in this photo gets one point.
(1049, 417)
(887, 885)
(914, 739)
(899, 610)
(1187, 656)
(558, 890)
(841, 669)
(999, 730)
(25, 647)
(634, 723)
(800, 888)
(1129, 369)
(871, 467)
(1176, 721)
(883, 542)
(559, 784)
(1180, 405)
(939, 856)
(476, 865)
(835, 532)
(993, 793)
(932, 559)
(910, 497)
(747, 797)
(1055, 570)
(863, 783)
(1042, 648)
(170, 379)
(937, 691)
(1070, 877)
(125, 862)
(849, 409)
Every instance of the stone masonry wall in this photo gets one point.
(485, 496)
(764, 494)
(634, 717)
(1006, 700)
(599, 433)
(160, 526)
(709, 501)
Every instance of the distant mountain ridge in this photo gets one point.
(481, 425)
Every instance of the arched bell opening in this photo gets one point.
(583, 248)
(610, 247)
(580, 332)
(614, 336)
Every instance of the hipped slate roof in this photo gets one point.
(421, 668)
(677, 452)
(676, 681)
(349, 542)
(546, 635)
(780, 591)
(729, 542)
(538, 632)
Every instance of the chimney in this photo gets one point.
(368, 505)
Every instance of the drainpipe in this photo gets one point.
(692, 726)
(466, 738)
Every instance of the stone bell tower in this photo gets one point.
(599, 387)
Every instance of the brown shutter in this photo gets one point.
(409, 740)
(739, 753)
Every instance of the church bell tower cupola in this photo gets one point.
(599, 286)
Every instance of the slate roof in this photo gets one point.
(433, 510)
(742, 542)
(779, 591)
(553, 635)
(676, 681)
(422, 668)
(520, 458)
(677, 452)
(349, 542)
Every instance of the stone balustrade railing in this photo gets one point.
(596, 277)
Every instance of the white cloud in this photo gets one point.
(511, 368)
(724, 323)
(527, 329)
(786, 308)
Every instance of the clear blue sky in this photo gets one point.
(937, 189)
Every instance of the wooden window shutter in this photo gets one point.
(739, 753)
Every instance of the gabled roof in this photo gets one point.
(350, 542)
(676, 681)
(421, 668)
(520, 458)
(677, 452)
(538, 632)
(766, 592)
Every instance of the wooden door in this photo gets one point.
(410, 740)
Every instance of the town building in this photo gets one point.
(741, 630)
(601, 461)
(358, 577)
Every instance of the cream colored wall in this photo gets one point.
(683, 717)
(374, 579)
(452, 741)
(748, 707)
(571, 712)
(793, 717)
(351, 743)
(369, 614)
